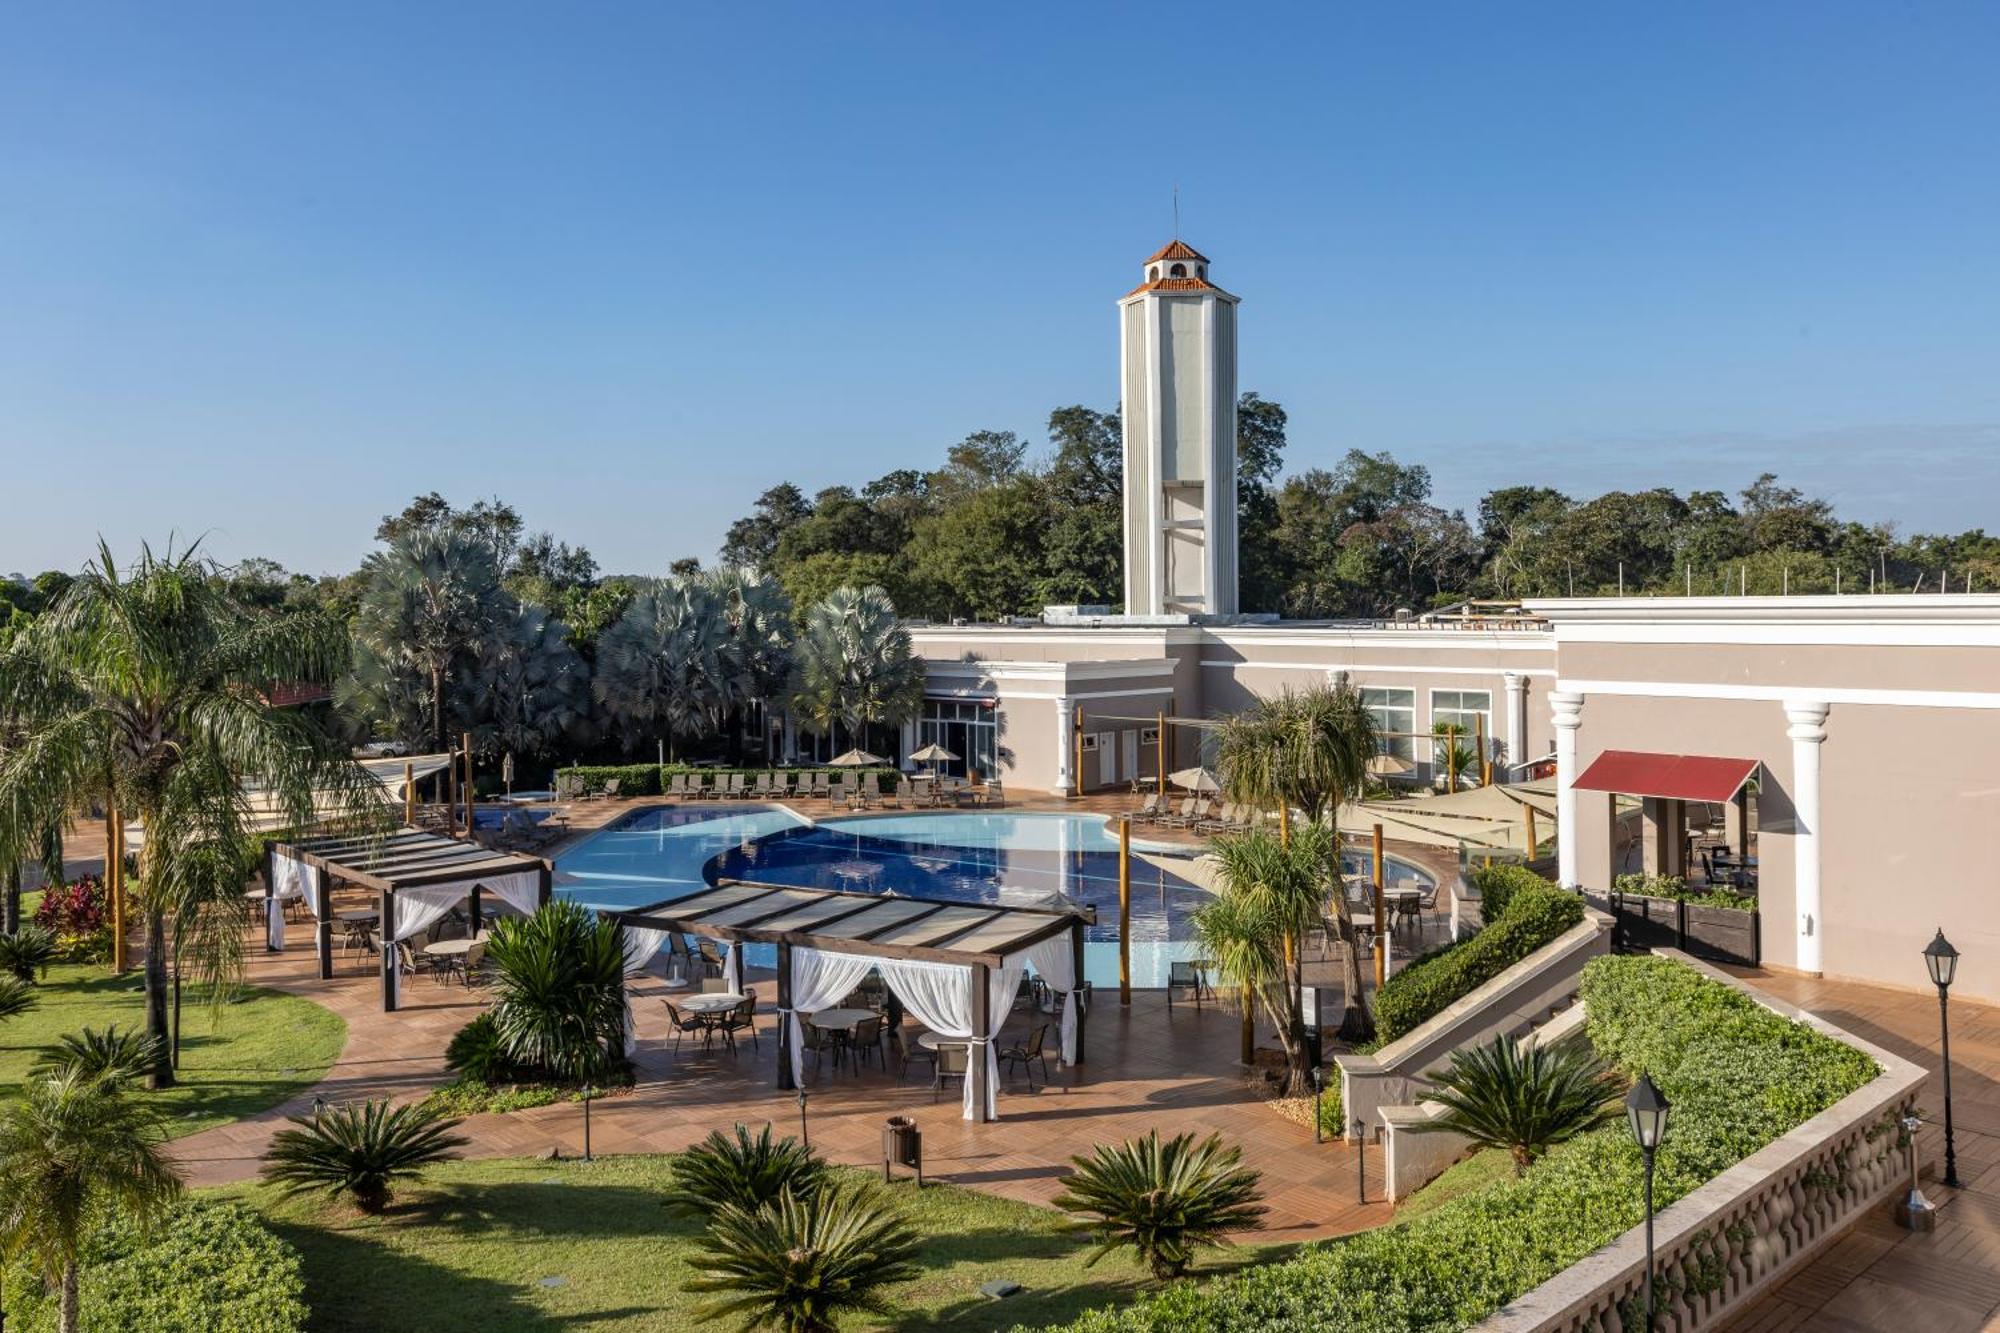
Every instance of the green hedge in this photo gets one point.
(209, 1268)
(633, 779)
(1536, 913)
(1497, 885)
(1738, 1075)
(1673, 886)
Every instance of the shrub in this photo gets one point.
(723, 1171)
(78, 915)
(16, 996)
(1674, 887)
(1523, 1098)
(211, 1268)
(478, 1053)
(559, 991)
(1738, 1076)
(1536, 914)
(799, 1267)
(1162, 1200)
(1497, 885)
(359, 1150)
(110, 1058)
(27, 952)
(633, 779)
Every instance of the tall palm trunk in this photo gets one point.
(162, 1075)
(67, 1312)
(1356, 1023)
(12, 911)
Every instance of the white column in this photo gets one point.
(1517, 721)
(909, 741)
(1808, 733)
(1065, 745)
(1566, 710)
(791, 737)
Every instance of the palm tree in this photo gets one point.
(856, 667)
(1308, 750)
(664, 668)
(112, 1059)
(744, 1172)
(1163, 1200)
(1524, 1097)
(559, 990)
(359, 1150)
(759, 616)
(431, 602)
(798, 1266)
(148, 688)
(69, 1151)
(1270, 898)
(528, 687)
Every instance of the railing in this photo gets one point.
(1730, 1240)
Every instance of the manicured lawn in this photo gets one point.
(254, 1053)
(518, 1245)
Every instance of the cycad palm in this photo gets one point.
(797, 1266)
(724, 1170)
(69, 1151)
(856, 667)
(1163, 1200)
(147, 687)
(1309, 750)
(1523, 1097)
(110, 1058)
(359, 1150)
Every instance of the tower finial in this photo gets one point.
(1177, 211)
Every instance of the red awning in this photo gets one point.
(1676, 777)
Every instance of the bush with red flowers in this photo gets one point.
(78, 913)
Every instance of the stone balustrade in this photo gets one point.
(1723, 1245)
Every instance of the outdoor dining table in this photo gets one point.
(360, 917)
(839, 1019)
(930, 1041)
(444, 950)
(711, 1007)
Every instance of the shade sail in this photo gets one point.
(1674, 777)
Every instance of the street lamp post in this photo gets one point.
(1942, 961)
(1319, 1088)
(1646, 1111)
(805, 1136)
(588, 1092)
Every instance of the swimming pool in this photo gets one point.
(656, 854)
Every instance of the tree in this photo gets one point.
(1523, 1097)
(433, 605)
(752, 541)
(147, 687)
(528, 689)
(981, 461)
(72, 1150)
(855, 666)
(664, 669)
(799, 1266)
(1164, 1201)
(1307, 749)
(1272, 894)
(982, 556)
(1260, 452)
(758, 615)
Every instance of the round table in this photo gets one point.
(840, 1019)
(930, 1041)
(358, 917)
(710, 1002)
(449, 948)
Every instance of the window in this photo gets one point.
(967, 728)
(1394, 711)
(1469, 711)
(1153, 273)
(1178, 270)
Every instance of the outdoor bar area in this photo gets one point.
(956, 967)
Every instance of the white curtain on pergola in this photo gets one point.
(417, 909)
(939, 995)
(290, 878)
(1054, 962)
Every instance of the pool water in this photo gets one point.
(653, 855)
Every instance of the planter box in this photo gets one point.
(1718, 934)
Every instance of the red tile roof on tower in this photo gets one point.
(1178, 249)
(1175, 285)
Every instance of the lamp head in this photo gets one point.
(1646, 1110)
(1941, 960)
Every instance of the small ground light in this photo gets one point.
(588, 1093)
(1319, 1088)
(805, 1138)
(319, 1107)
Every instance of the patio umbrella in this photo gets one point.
(932, 755)
(856, 759)
(1195, 779)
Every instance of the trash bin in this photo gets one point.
(902, 1145)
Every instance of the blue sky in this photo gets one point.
(266, 271)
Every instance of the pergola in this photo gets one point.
(917, 943)
(419, 877)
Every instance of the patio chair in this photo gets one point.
(836, 791)
(1214, 819)
(1191, 977)
(1026, 1053)
(865, 1039)
(906, 793)
(903, 1040)
(1147, 810)
(743, 1018)
(818, 1042)
(950, 1064)
(1183, 817)
(816, 786)
(684, 1024)
(992, 793)
(473, 967)
(612, 788)
(405, 960)
(712, 962)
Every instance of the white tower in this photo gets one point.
(1177, 334)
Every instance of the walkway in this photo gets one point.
(1147, 1068)
(1880, 1278)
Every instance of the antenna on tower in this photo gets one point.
(1177, 212)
